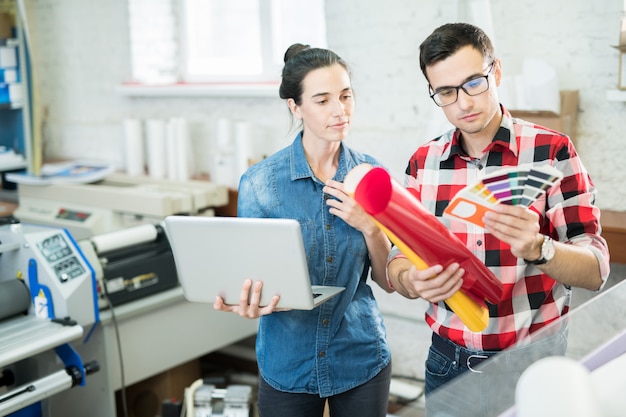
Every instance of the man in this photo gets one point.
(538, 253)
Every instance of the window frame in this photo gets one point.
(258, 85)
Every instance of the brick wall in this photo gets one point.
(82, 56)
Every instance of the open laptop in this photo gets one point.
(214, 255)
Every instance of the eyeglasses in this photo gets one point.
(473, 87)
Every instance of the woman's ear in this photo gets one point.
(294, 108)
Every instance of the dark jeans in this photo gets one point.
(367, 400)
(453, 389)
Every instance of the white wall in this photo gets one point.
(82, 55)
(382, 41)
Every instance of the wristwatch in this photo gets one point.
(547, 252)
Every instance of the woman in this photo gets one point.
(336, 351)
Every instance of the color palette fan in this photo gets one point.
(521, 185)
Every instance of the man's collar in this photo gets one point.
(503, 140)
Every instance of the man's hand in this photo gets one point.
(433, 284)
(517, 226)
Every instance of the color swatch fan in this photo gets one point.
(521, 185)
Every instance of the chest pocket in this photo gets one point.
(307, 226)
(354, 240)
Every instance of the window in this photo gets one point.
(219, 41)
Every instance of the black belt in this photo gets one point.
(467, 358)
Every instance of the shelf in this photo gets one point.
(200, 90)
(11, 106)
(616, 95)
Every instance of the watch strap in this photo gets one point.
(542, 259)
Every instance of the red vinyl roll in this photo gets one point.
(398, 210)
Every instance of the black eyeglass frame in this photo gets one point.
(460, 87)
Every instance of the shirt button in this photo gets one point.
(328, 227)
(325, 322)
(326, 196)
(479, 242)
(322, 354)
(329, 259)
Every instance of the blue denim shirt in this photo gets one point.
(340, 344)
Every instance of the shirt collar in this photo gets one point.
(300, 167)
(503, 140)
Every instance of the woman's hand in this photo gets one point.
(347, 209)
(250, 309)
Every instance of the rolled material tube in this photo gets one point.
(14, 298)
(557, 386)
(414, 230)
(124, 238)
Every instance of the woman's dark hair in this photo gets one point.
(449, 38)
(299, 61)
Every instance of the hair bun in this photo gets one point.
(295, 49)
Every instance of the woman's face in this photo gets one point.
(327, 104)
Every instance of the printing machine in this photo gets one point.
(122, 214)
(47, 300)
(137, 323)
(115, 203)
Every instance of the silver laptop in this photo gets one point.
(214, 255)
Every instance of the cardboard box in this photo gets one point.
(621, 75)
(6, 26)
(621, 47)
(145, 398)
(564, 122)
(614, 231)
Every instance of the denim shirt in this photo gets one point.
(340, 344)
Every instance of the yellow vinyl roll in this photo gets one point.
(472, 314)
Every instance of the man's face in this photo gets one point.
(472, 114)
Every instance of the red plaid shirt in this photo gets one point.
(531, 299)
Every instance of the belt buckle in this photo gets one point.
(469, 359)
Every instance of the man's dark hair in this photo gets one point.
(449, 38)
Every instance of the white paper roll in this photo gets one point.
(133, 147)
(171, 146)
(555, 386)
(242, 143)
(522, 98)
(183, 150)
(542, 85)
(124, 238)
(224, 170)
(223, 140)
(155, 139)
